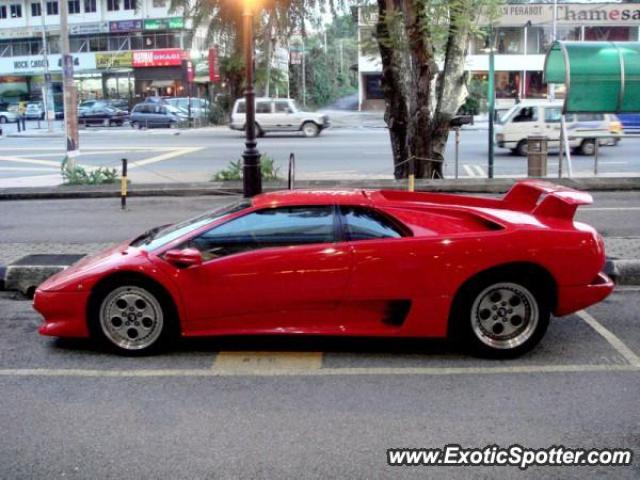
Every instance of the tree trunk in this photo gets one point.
(452, 85)
(393, 85)
(422, 72)
(269, 41)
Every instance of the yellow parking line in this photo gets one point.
(317, 372)
(267, 361)
(613, 340)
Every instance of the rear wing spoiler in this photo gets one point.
(544, 199)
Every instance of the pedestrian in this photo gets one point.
(22, 115)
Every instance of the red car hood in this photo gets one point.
(105, 260)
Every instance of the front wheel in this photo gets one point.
(134, 318)
(522, 149)
(310, 129)
(502, 318)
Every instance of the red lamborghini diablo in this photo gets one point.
(369, 263)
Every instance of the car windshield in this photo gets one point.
(161, 236)
(172, 109)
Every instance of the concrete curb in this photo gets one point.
(624, 271)
(499, 185)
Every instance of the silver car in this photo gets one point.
(279, 115)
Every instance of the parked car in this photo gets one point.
(102, 114)
(151, 115)
(391, 263)
(199, 106)
(630, 122)
(7, 116)
(279, 115)
(542, 117)
(35, 111)
(118, 104)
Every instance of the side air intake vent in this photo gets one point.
(396, 312)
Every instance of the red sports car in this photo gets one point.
(360, 262)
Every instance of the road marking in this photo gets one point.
(49, 163)
(164, 156)
(470, 172)
(267, 361)
(317, 372)
(479, 170)
(610, 337)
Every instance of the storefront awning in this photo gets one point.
(598, 76)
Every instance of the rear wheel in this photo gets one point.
(588, 147)
(132, 317)
(501, 317)
(522, 149)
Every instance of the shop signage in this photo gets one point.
(214, 69)
(35, 64)
(114, 60)
(27, 32)
(576, 13)
(126, 26)
(88, 28)
(176, 23)
(158, 58)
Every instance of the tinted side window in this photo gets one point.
(526, 114)
(366, 224)
(263, 107)
(274, 227)
(590, 117)
(241, 108)
(282, 107)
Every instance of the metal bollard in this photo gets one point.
(123, 185)
(457, 130)
(292, 171)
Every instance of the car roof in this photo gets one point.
(311, 197)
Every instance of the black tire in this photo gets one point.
(135, 125)
(470, 329)
(151, 338)
(522, 148)
(3, 119)
(588, 147)
(310, 129)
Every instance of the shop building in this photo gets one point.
(521, 36)
(121, 48)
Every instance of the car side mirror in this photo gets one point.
(185, 258)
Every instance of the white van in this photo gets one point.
(541, 117)
(279, 115)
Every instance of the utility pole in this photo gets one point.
(551, 92)
(49, 109)
(69, 91)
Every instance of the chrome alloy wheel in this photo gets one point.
(131, 318)
(504, 315)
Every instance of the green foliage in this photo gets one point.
(234, 171)
(80, 176)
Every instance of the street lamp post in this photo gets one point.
(492, 100)
(252, 178)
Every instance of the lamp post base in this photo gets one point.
(251, 174)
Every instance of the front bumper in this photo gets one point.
(574, 298)
(64, 313)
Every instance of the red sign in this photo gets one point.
(158, 58)
(214, 69)
(189, 73)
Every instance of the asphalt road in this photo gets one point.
(162, 155)
(66, 221)
(69, 410)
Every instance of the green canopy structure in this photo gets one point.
(600, 77)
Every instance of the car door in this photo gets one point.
(277, 270)
(264, 116)
(525, 122)
(552, 117)
(283, 117)
(387, 273)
